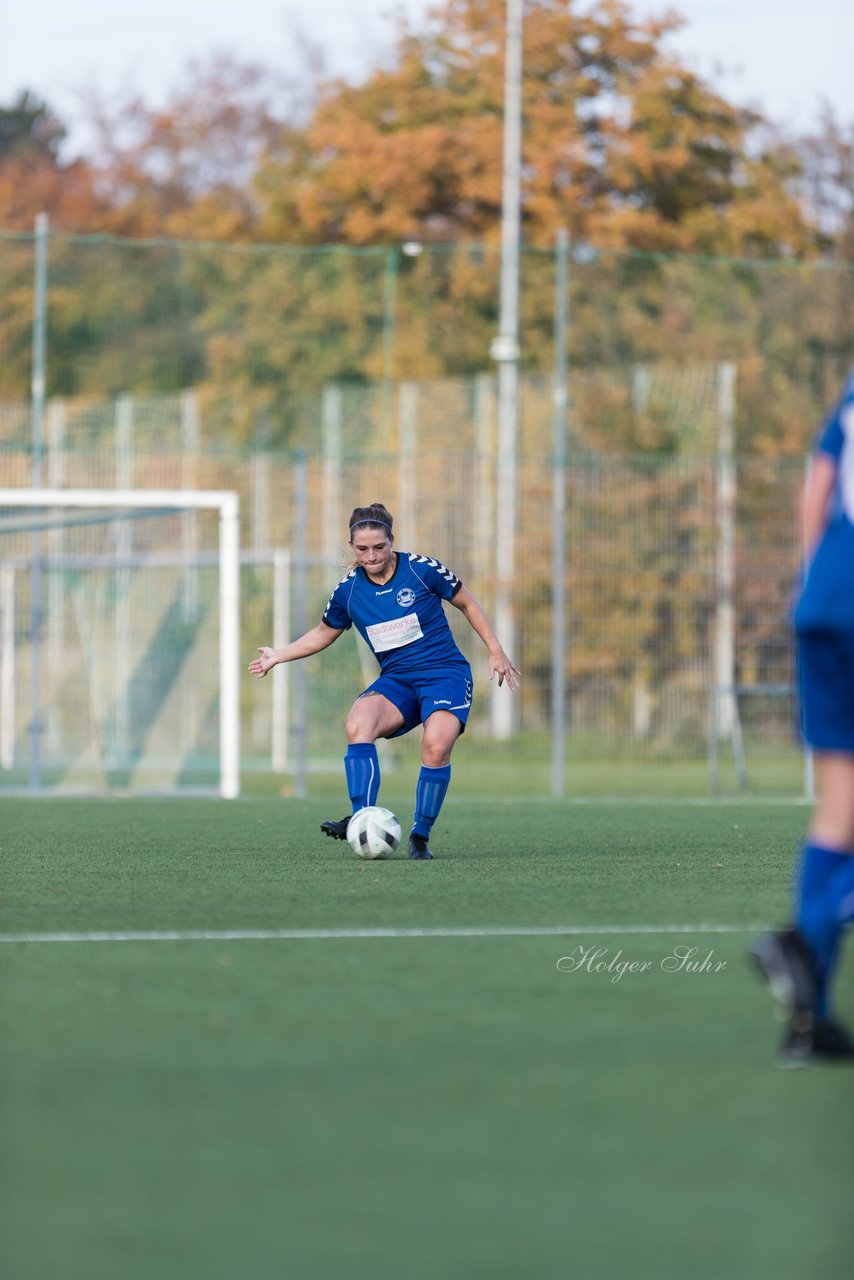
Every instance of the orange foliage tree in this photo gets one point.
(622, 144)
(35, 178)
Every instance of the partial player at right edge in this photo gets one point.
(799, 962)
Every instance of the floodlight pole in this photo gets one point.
(39, 386)
(505, 352)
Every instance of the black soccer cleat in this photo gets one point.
(337, 830)
(418, 847)
(788, 966)
(827, 1042)
(830, 1040)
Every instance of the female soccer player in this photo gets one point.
(395, 600)
(799, 962)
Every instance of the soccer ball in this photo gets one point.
(374, 832)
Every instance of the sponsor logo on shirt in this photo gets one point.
(394, 635)
(405, 597)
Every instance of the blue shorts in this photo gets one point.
(826, 687)
(417, 697)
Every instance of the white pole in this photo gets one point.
(229, 646)
(39, 368)
(300, 544)
(7, 666)
(39, 392)
(55, 423)
(281, 636)
(121, 654)
(189, 520)
(726, 721)
(559, 631)
(260, 499)
(331, 433)
(809, 774)
(724, 667)
(407, 418)
(483, 514)
(505, 351)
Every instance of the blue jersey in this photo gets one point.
(827, 599)
(402, 620)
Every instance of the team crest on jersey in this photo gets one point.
(405, 597)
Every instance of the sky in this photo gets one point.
(783, 56)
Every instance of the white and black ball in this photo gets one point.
(374, 832)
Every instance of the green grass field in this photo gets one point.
(406, 1106)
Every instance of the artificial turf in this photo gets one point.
(407, 1106)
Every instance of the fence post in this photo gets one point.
(561, 401)
(55, 425)
(281, 673)
(124, 451)
(407, 436)
(39, 391)
(7, 666)
(725, 721)
(300, 499)
(330, 426)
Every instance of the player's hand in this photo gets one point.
(260, 666)
(501, 666)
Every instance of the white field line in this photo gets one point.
(302, 935)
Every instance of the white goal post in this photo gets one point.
(164, 502)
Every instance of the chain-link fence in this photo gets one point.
(673, 664)
(314, 380)
(260, 331)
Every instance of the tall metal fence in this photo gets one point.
(313, 381)
(674, 663)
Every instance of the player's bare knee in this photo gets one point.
(436, 750)
(360, 726)
(358, 730)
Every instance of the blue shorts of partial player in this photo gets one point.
(826, 689)
(418, 696)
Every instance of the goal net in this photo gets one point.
(119, 645)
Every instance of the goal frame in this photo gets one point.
(227, 504)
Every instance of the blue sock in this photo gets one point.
(362, 767)
(824, 890)
(430, 791)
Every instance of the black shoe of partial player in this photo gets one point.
(337, 830)
(788, 966)
(832, 1040)
(826, 1042)
(418, 847)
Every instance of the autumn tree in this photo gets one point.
(34, 176)
(185, 168)
(825, 181)
(622, 144)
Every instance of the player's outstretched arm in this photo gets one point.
(499, 663)
(320, 637)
